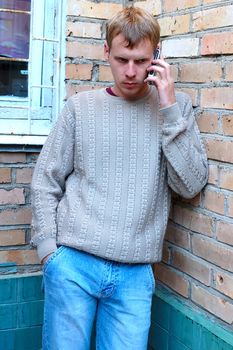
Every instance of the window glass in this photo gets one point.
(23, 5)
(14, 47)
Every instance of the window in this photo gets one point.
(14, 47)
(31, 67)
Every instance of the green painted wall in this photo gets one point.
(173, 329)
(21, 311)
(174, 325)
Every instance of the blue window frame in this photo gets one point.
(26, 116)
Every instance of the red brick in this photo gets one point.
(12, 237)
(175, 5)
(217, 43)
(105, 73)
(225, 232)
(174, 72)
(220, 97)
(192, 266)
(229, 71)
(152, 6)
(14, 196)
(212, 251)
(166, 253)
(173, 25)
(84, 29)
(193, 93)
(227, 125)
(91, 9)
(79, 71)
(224, 283)
(213, 174)
(214, 201)
(72, 89)
(192, 220)
(230, 206)
(219, 150)
(210, 1)
(10, 158)
(196, 201)
(213, 18)
(226, 178)
(5, 175)
(178, 236)
(20, 257)
(16, 216)
(201, 72)
(84, 50)
(208, 122)
(172, 279)
(213, 303)
(24, 175)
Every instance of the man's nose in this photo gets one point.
(131, 71)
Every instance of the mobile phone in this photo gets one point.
(157, 53)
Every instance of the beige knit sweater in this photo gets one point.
(102, 181)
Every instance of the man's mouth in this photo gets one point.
(130, 84)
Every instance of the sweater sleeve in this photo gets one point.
(54, 164)
(186, 157)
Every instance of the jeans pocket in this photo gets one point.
(152, 277)
(52, 258)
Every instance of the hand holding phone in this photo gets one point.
(162, 80)
(157, 53)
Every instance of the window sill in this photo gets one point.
(22, 140)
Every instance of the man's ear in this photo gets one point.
(106, 51)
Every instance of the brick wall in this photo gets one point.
(198, 253)
(197, 40)
(16, 254)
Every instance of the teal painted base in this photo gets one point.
(21, 312)
(174, 326)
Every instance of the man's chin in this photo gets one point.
(133, 91)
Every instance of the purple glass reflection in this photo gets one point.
(14, 35)
(23, 5)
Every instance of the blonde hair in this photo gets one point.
(135, 25)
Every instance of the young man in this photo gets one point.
(101, 193)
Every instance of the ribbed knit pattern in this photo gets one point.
(102, 181)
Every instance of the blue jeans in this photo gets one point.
(80, 288)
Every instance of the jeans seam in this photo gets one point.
(45, 338)
(152, 278)
(97, 335)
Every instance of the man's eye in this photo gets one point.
(121, 59)
(141, 61)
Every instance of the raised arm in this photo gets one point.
(186, 157)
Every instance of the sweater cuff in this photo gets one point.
(171, 114)
(46, 247)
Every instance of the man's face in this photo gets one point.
(129, 66)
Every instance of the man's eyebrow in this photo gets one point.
(140, 58)
(121, 56)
